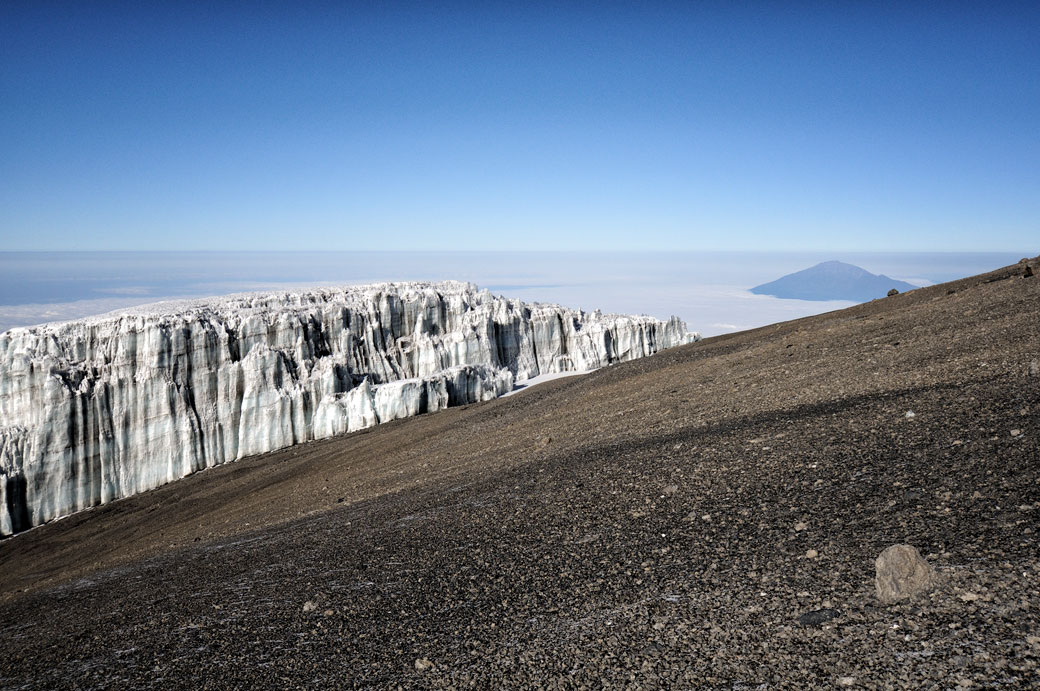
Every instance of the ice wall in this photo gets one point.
(106, 407)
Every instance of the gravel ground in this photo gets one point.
(705, 518)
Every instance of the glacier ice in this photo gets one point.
(105, 407)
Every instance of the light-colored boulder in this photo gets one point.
(901, 573)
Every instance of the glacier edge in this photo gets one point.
(105, 407)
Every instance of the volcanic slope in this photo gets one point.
(667, 522)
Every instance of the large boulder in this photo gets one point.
(901, 573)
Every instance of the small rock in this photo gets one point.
(1034, 368)
(669, 490)
(969, 597)
(817, 617)
(893, 292)
(328, 613)
(847, 681)
(1028, 271)
(422, 664)
(1016, 432)
(651, 648)
(911, 413)
(799, 527)
(309, 606)
(901, 573)
(706, 518)
(811, 554)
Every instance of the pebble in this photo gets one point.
(309, 606)
(1016, 432)
(799, 527)
(422, 664)
(811, 554)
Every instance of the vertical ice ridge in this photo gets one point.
(106, 407)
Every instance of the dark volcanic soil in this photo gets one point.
(648, 525)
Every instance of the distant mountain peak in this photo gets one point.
(836, 267)
(832, 280)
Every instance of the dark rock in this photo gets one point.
(1028, 271)
(892, 292)
(818, 617)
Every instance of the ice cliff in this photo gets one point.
(106, 407)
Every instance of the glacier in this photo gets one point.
(109, 406)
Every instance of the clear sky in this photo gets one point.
(197, 126)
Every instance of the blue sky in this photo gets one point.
(668, 126)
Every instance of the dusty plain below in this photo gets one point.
(664, 523)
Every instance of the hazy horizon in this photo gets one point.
(709, 290)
